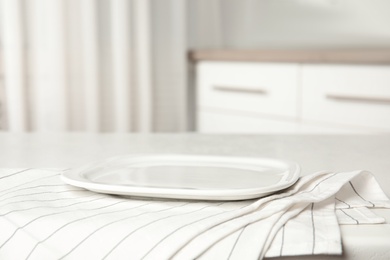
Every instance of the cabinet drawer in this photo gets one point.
(267, 88)
(347, 95)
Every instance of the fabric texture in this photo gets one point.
(41, 216)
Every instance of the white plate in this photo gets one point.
(186, 176)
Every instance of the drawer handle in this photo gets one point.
(254, 90)
(358, 98)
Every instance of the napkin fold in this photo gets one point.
(40, 216)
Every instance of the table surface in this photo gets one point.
(313, 153)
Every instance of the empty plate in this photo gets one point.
(200, 177)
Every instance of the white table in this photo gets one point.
(313, 153)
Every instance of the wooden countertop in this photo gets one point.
(371, 56)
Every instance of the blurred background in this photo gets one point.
(124, 65)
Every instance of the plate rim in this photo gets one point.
(73, 178)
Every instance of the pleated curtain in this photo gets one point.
(94, 65)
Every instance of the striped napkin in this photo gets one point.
(41, 217)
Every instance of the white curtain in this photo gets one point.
(94, 65)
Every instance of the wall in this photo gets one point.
(290, 24)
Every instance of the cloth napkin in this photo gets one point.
(41, 217)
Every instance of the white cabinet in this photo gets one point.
(356, 96)
(260, 97)
(251, 87)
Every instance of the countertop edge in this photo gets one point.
(365, 56)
